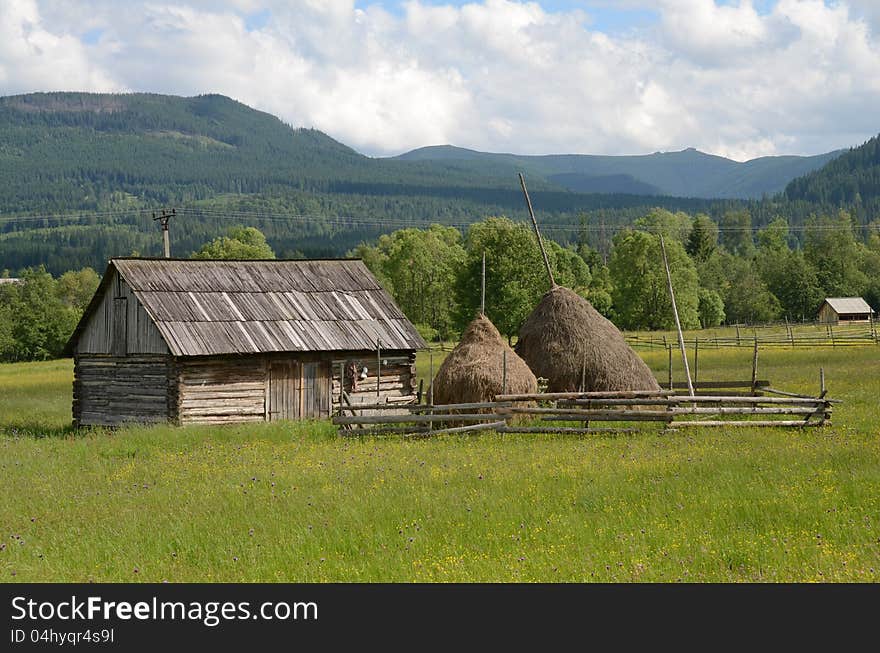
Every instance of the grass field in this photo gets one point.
(294, 502)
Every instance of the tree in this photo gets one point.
(515, 274)
(793, 281)
(703, 239)
(831, 249)
(238, 243)
(419, 267)
(7, 339)
(600, 288)
(774, 237)
(711, 308)
(75, 288)
(786, 274)
(40, 322)
(746, 297)
(673, 226)
(736, 233)
(641, 296)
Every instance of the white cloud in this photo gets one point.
(30, 54)
(499, 75)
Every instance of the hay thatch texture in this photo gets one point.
(473, 371)
(565, 334)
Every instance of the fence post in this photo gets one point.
(669, 350)
(821, 381)
(431, 392)
(341, 384)
(737, 335)
(755, 367)
(696, 358)
(584, 375)
(431, 380)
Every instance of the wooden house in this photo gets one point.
(835, 310)
(183, 341)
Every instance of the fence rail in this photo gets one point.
(823, 336)
(616, 411)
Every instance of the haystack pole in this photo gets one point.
(522, 182)
(684, 358)
(483, 287)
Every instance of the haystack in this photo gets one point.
(565, 339)
(473, 371)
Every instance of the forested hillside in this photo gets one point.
(112, 159)
(81, 175)
(852, 180)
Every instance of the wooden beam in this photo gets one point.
(392, 419)
(563, 429)
(464, 429)
(522, 183)
(737, 424)
(684, 358)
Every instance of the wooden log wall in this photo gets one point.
(221, 390)
(112, 390)
(397, 378)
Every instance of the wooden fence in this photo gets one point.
(578, 412)
(780, 336)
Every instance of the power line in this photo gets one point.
(372, 223)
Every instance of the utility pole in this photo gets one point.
(163, 220)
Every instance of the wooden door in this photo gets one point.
(284, 390)
(316, 389)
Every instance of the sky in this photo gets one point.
(738, 78)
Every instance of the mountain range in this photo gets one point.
(688, 173)
(81, 173)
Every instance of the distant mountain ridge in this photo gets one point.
(852, 180)
(688, 173)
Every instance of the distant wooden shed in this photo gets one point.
(835, 310)
(182, 341)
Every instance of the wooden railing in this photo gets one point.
(615, 411)
(818, 336)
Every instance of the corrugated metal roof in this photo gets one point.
(848, 305)
(205, 307)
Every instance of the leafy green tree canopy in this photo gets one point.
(641, 296)
(711, 308)
(420, 267)
(238, 243)
(75, 288)
(703, 239)
(673, 226)
(515, 274)
(736, 233)
(35, 324)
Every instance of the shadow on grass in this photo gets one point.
(35, 429)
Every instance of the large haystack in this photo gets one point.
(473, 370)
(565, 335)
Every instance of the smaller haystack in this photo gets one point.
(565, 339)
(473, 370)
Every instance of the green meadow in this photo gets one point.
(294, 502)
